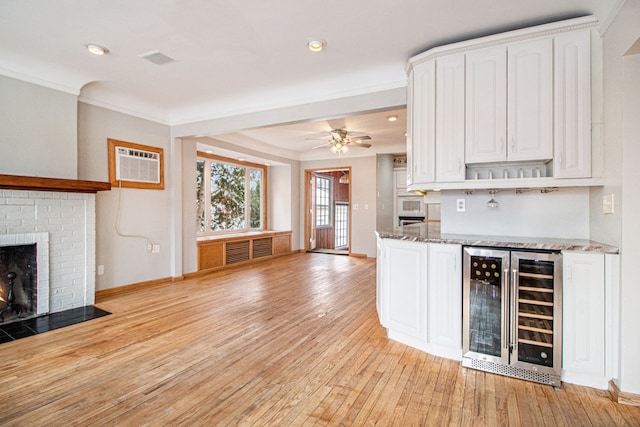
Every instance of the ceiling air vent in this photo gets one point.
(157, 57)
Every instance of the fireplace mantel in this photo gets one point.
(17, 182)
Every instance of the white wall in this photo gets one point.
(384, 192)
(38, 135)
(630, 291)
(561, 214)
(363, 194)
(142, 212)
(622, 157)
(279, 199)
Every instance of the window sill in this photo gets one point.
(240, 235)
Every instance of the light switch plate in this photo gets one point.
(460, 205)
(607, 204)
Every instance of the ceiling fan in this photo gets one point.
(340, 139)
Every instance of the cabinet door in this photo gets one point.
(445, 295)
(486, 105)
(530, 100)
(450, 118)
(572, 105)
(421, 124)
(404, 287)
(583, 317)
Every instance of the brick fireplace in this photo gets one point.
(59, 217)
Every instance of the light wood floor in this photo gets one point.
(293, 341)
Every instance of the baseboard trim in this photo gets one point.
(358, 255)
(622, 397)
(102, 293)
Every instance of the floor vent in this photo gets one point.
(262, 247)
(237, 251)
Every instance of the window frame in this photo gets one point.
(329, 205)
(208, 158)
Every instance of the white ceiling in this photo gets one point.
(236, 57)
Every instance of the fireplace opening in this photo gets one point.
(18, 282)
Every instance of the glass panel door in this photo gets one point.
(537, 302)
(485, 313)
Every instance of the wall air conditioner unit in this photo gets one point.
(137, 165)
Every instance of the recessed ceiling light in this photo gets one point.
(392, 118)
(96, 49)
(316, 45)
(241, 159)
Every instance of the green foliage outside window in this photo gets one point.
(235, 196)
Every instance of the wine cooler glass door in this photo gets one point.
(537, 302)
(486, 299)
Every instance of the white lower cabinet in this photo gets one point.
(420, 295)
(587, 326)
(404, 287)
(444, 301)
(419, 301)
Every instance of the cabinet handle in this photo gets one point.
(459, 165)
(561, 159)
(506, 300)
(513, 144)
(514, 287)
(502, 145)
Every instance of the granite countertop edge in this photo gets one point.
(420, 233)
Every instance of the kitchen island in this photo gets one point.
(420, 296)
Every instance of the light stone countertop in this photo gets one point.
(421, 233)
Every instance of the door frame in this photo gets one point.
(308, 203)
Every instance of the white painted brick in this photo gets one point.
(70, 220)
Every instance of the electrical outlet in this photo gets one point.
(148, 247)
(355, 206)
(100, 270)
(156, 248)
(461, 205)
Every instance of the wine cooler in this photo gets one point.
(512, 313)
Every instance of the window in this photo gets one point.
(341, 239)
(323, 201)
(229, 196)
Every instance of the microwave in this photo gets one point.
(410, 206)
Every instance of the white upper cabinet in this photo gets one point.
(572, 105)
(509, 103)
(421, 101)
(530, 100)
(522, 96)
(449, 134)
(486, 106)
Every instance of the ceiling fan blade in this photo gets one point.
(357, 139)
(363, 145)
(322, 146)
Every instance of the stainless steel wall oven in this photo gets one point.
(512, 313)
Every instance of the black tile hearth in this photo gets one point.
(37, 325)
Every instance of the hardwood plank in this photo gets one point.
(292, 341)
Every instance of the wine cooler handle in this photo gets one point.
(506, 300)
(514, 326)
